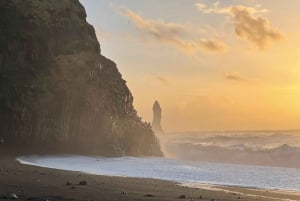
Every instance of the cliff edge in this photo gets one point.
(57, 92)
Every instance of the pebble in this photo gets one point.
(83, 183)
(150, 196)
(182, 196)
(13, 196)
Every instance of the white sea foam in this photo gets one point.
(184, 172)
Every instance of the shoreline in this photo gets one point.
(224, 186)
(239, 190)
(198, 185)
(35, 182)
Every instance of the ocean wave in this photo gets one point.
(269, 148)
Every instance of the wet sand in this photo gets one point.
(32, 183)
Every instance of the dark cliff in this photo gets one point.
(56, 89)
(156, 123)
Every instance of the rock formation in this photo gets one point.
(156, 123)
(56, 89)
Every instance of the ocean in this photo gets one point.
(181, 171)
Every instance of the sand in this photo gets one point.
(32, 183)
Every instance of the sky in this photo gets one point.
(212, 65)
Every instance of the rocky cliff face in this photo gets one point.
(56, 89)
(156, 123)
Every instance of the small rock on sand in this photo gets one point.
(182, 196)
(13, 196)
(149, 196)
(83, 183)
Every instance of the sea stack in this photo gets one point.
(57, 91)
(156, 123)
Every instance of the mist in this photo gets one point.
(263, 148)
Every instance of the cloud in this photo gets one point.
(216, 9)
(162, 80)
(233, 76)
(212, 45)
(173, 33)
(160, 29)
(249, 25)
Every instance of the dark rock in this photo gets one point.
(182, 197)
(150, 196)
(156, 123)
(82, 183)
(13, 196)
(57, 92)
(69, 183)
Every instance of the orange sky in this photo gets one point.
(229, 65)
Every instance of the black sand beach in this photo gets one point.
(41, 184)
